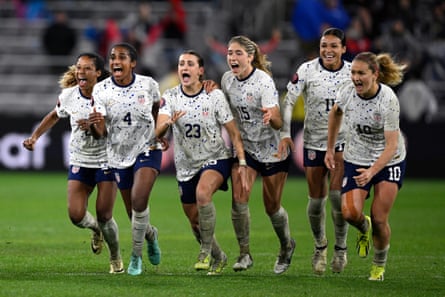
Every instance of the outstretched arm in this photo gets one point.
(47, 123)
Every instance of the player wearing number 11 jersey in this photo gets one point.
(317, 81)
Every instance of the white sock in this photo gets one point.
(207, 222)
(241, 224)
(110, 231)
(316, 213)
(139, 223)
(340, 225)
(280, 223)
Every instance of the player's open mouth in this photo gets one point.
(185, 77)
(117, 69)
(234, 66)
(358, 87)
(82, 82)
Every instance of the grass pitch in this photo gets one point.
(43, 254)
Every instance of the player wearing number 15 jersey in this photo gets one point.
(253, 98)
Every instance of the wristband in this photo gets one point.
(242, 162)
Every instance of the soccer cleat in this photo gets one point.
(244, 262)
(284, 258)
(203, 261)
(97, 242)
(319, 259)
(154, 252)
(135, 266)
(218, 265)
(363, 240)
(116, 266)
(339, 260)
(377, 273)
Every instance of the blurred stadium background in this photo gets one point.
(29, 84)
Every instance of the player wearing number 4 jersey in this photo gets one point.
(317, 81)
(253, 98)
(202, 159)
(374, 152)
(129, 103)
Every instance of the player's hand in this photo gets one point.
(83, 124)
(29, 143)
(329, 160)
(242, 171)
(176, 115)
(267, 115)
(95, 117)
(209, 85)
(284, 146)
(164, 143)
(364, 177)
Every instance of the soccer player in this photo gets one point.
(374, 152)
(317, 81)
(253, 98)
(125, 109)
(202, 159)
(87, 156)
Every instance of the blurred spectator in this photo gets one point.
(174, 27)
(31, 9)
(399, 41)
(59, 39)
(259, 20)
(356, 40)
(417, 102)
(403, 10)
(110, 35)
(438, 22)
(311, 17)
(157, 41)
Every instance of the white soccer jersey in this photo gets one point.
(366, 121)
(197, 135)
(318, 86)
(84, 150)
(246, 98)
(129, 119)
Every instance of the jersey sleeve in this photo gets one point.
(269, 97)
(155, 93)
(224, 113)
(392, 112)
(165, 103)
(61, 105)
(97, 100)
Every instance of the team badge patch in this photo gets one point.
(311, 155)
(294, 78)
(377, 117)
(75, 169)
(141, 99)
(249, 97)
